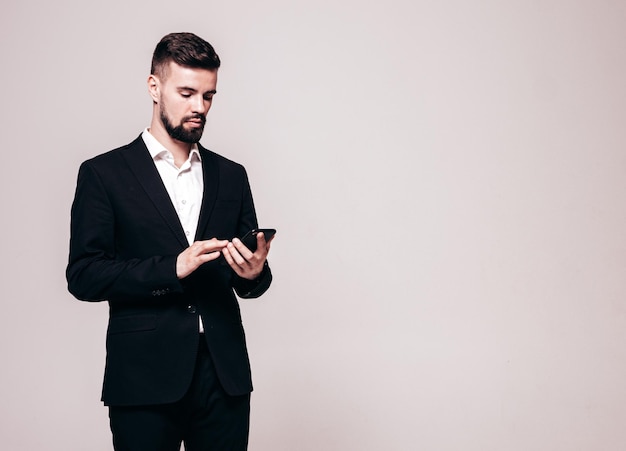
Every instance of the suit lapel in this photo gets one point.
(210, 175)
(141, 164)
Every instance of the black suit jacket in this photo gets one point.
(125, 238)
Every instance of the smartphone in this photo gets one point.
(249, 239)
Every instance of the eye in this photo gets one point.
(185, 94)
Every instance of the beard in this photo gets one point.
(179, 132)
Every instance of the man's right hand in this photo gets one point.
(198, 253)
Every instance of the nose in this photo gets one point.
(200, 105)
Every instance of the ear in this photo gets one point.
(154, 87)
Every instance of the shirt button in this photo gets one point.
(191, 309)
(184, 201)
(187, 232)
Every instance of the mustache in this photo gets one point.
(202, 118)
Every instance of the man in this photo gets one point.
(153, 232)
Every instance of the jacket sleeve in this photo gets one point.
(245, 288)
(249, 289)
(94, 271)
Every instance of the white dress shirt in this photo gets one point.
(184, 185)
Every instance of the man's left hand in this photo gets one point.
(245, 263)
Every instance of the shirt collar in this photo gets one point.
(156, 149)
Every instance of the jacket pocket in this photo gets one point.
(135, 323)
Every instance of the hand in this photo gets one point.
(245, 263)
(198, 253)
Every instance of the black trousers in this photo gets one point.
(206, 418)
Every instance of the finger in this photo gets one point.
(239, 252)
(216, 245)
(241, 248)
(203, 247)
(268, 243)
(260, 241)
(209, 256)
(263, 246)
(228, 256)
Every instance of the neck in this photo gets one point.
(180, 150)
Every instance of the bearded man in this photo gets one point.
(154, 227)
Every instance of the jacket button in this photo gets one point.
(191, 309)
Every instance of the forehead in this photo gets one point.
(190, 77)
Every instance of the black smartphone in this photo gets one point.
(249, 239)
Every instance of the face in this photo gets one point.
(183, 98)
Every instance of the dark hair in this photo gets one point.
(185, 49)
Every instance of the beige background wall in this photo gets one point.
(448, 182)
